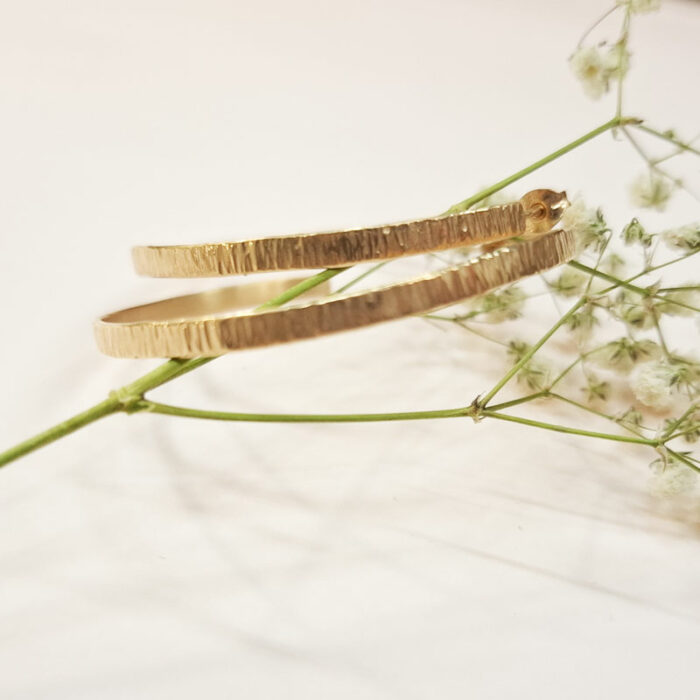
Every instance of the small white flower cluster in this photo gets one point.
(671, 477)
(636, 312)
(661, 381)
(505, 305)
(641, 6)
(597, 66)
(653, 384)
(651, 191)
(588, 225)
(634, 232)
(685, 238)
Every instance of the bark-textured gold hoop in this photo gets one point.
(538, 211)
(200, 325)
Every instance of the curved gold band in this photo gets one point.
(199, 325)
(538, 211)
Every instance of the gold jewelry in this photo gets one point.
(201, 325)
(538, 211)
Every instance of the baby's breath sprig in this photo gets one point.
(616, 363)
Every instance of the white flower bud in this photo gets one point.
(653, 384)
(588, 225)
(593, 69)
(651, 191)
(671, 477)
(686, 238)
(634, 232)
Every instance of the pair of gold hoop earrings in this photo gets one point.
(206, 324)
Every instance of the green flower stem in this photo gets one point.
(683, 458)
(529, 354)
(612, 124)
(359, 278)
(653, 165)
(459, 318)
(588, 409)
(104, 408)
(581, 406)
(467, 411)
(464, 326)
(570, 367)
(128, 397)
(682, 288)
(674, 425)
(667, 137)
(176, 367)
(627, 285)
(516, 402)
(570, 431)
(681, 433)
(624, 38)
(481, 334)
(662, 340)
(165, 409)
(596, 23)
(654, 268)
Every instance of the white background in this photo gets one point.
(150, 557)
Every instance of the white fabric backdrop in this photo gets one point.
(149, 557)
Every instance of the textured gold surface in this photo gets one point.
(198, 325)
(536, 212)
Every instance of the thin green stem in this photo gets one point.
(596, 23)
(463, 412)
(516, 402)
(104, 408)
(459, 318)
(682, 288)
(567, 369)
(589, 409)
(177, 367)
(654, 268)
(624, 38)
(653, 165)
(183, 412)
(481, 334)
(568, 430)
(465, 326)
(673, 425)
(682, 458)
(125, 398)
(683, 146)
(613, 123)
(627, 285)
(529, 354)
(580, 406)
(359, 278)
